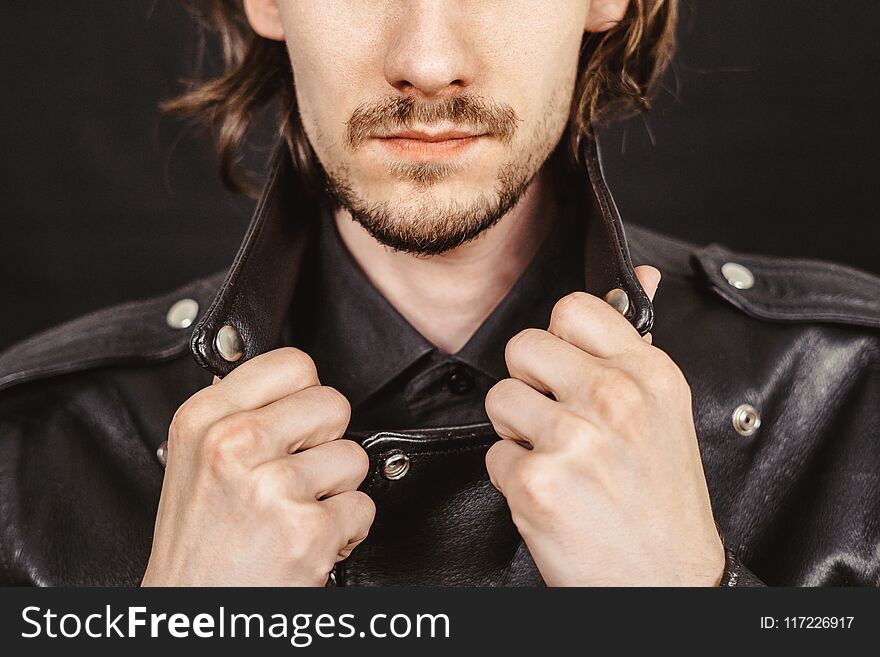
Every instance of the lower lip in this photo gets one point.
(419, 149)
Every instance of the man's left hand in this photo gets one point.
(599, 463)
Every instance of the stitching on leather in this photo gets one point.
(797, 267)
(779, 309)
(817, 271)
(801, 305)
(469, 448)
(89, 364)
(818, 301)
(798, 313)
(49, 334)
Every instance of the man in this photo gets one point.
(432, 361)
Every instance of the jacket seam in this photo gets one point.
(805, 314)
(22, 377)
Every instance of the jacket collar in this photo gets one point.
(248, 313)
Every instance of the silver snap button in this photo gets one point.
(331, 579)
(182, 314)
(396, 466)
(746, 419)
(162, 453)
(229, 343)
(737, 275)
(619, 300)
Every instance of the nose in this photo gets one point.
(429, 53)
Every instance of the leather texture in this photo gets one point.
(83, 408)
(264, 273)
(798, 290)
(445, 507)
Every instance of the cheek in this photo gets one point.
(329, 60)
(538, 74)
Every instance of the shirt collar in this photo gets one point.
(357, 338)
(361, 342)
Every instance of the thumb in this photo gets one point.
(649, 277)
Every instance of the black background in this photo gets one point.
(765, 139)
(515, 621)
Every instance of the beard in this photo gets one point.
(426, 226)
(423, 223)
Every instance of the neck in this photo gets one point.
(448, 296)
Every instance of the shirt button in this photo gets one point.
(459, 382)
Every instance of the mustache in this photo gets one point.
(473, 112)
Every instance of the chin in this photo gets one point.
(445, 187)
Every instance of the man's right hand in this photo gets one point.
(258, 489)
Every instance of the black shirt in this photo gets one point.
(393, 376)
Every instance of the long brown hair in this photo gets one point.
(619, 73)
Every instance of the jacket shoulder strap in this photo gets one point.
(138, 331)
(791, 289)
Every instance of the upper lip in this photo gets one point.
(421, 135)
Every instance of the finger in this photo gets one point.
(518, 412)
(352, 513)
(502, 459)
(267, 378)
(649, 277)
(328, 469)
(305, 419)
(593, 326)
(299, 421)
(549, 364)
(260, 381)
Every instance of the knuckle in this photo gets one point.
(567, 309)
(355, 458)
(299, 362)
(226, 442)
(336, 405)
(666, 372)
(365, 508)
(573, 430)
(314, 520)
(322, 568)
(521, 342)
(538, 482)
(265, 489)
(618, 396)
(502, 471)
(307, 527)
(498, 394)
(585, 448)
(188, 419)
(492, 458)
(308, 523)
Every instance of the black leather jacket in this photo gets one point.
(794, 476)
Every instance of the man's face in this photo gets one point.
(431, 117)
